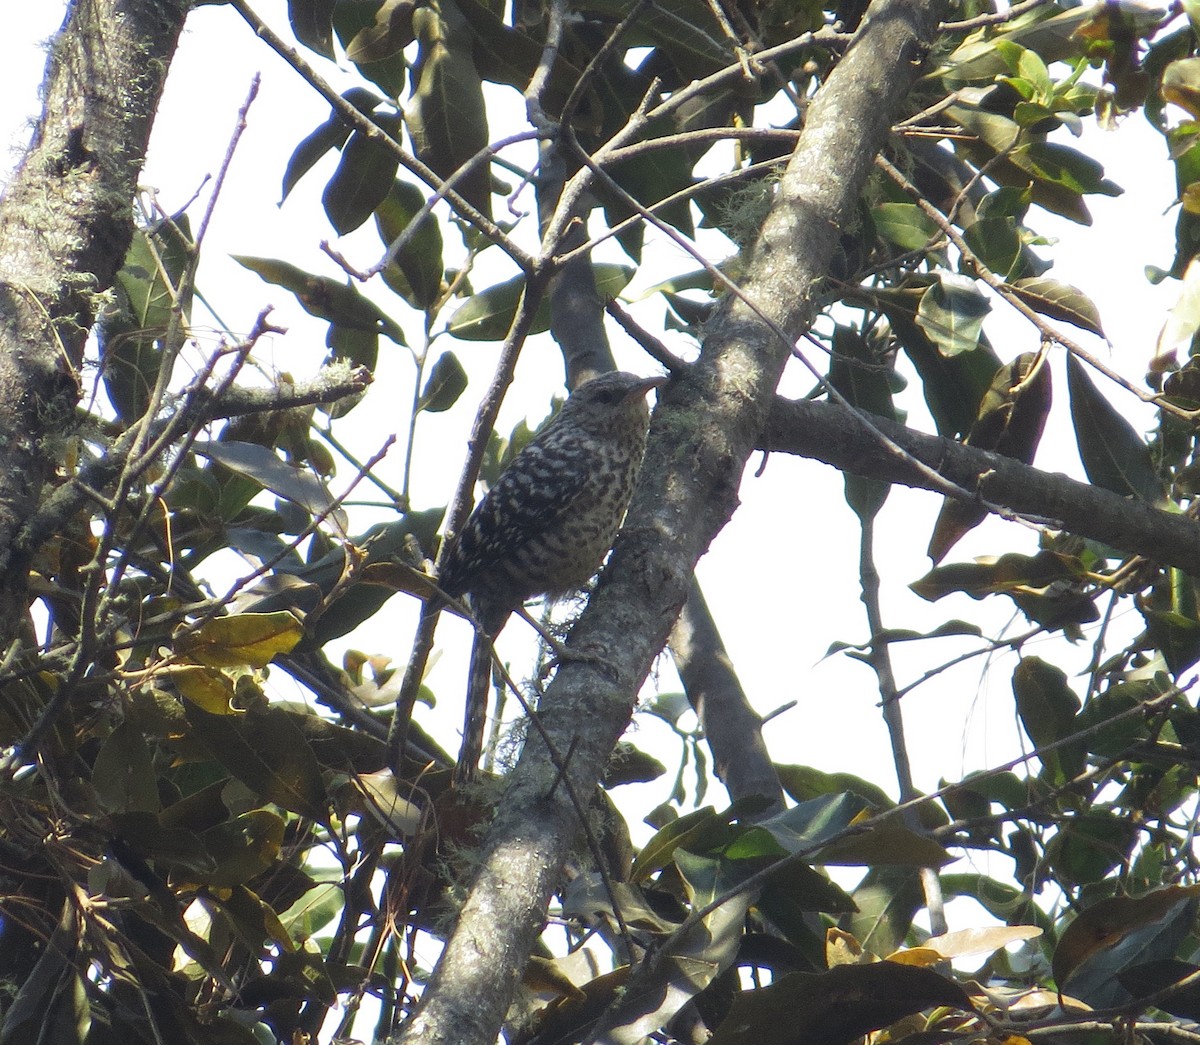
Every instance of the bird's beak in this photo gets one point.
(657, 381)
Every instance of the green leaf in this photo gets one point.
(1032, 114)
(51, 1005)
(312, 24)
(863, 378)
(332, 134)
(123, 774)
(352, 17)
(446, 116)
(952, 385)
(1110, 923)
(168, 847)
(254, 918)
(1059, 301)
(789, 898)
(1118, 699)
(1154, 977)
(1114, 456)
(950, 628)
(650, 179)
(1000, 243)
(988, 575)
(659, 851)
(837, 1006)
(242, 848)
(389, 34)
(1171, 621)
(1064, 166)
(326, 298)
(268, 470)
(363, 178)
(1011, 418)
(446, 382)
(488, 315)
(266, 751)
(905, 224)
(132, 329)
(1057, 175)
(686, 29)
(1026, 64)
(951, 314)
(420, 262)
(882, 845)
(336, 747)
(886, 898)
(354, 345)
(1012, 414)
(1048, 707)
(313, 911)
(808, 825)
(804, 783)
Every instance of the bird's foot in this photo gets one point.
(564, 655)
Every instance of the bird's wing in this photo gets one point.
(537, 489)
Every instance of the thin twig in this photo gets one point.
(460, 504)
(992, 18)
(880, 659)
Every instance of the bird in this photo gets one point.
(546, 524)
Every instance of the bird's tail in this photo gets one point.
(475, 717)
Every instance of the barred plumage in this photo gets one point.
(547, 523)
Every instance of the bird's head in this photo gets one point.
(611, 399)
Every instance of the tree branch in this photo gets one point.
(836, 436)
(731, 726)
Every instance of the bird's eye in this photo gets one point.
(608, 396)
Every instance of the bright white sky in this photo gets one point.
(782, 578)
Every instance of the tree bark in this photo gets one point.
(705, 428)
(66, 220)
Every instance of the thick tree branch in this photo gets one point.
(704, 432)
(835, 435)
(66, 221)
(731, 726)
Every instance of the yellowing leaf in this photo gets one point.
(247, 639)
(206, 688)
(921, 957)
(980, 941)
(382, 798)
(841, 948)
(1181, 85)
